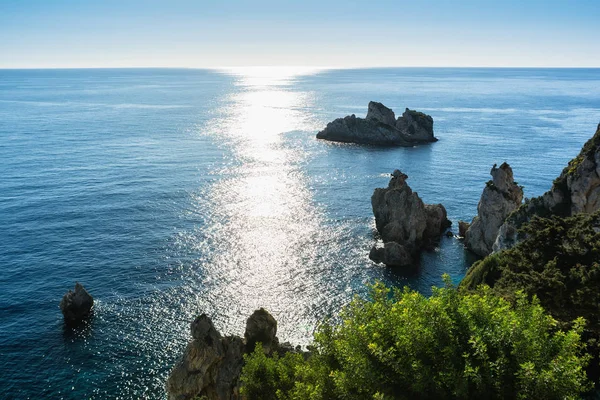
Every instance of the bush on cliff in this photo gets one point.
(559, 262)
(451, 345)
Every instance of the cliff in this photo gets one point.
(576, 190)
(500, 197)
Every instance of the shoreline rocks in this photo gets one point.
(500, 197)
(77, 305)
(380, 127)
(576, 190)
(211, 364)
(405, 223)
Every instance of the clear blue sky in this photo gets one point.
(340, 33)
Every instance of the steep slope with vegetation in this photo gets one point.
(576, 190)
(448, 346)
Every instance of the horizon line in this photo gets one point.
(307, 67)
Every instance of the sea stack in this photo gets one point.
(501, 196)
(405, 223)
(380, 127)
(76, 305)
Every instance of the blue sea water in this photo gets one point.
(169, 193)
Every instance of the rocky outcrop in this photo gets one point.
(576, 190)
(417, 125)
(463, 227)
(76, 305)
(380, 127)
(261, 327)
(211, 364)
(405, 223)
(500, 197)
(381, 113)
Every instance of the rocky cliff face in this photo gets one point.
(500, 197)
(405, 223)
(576, 190)
(380, 127)
(211, 364)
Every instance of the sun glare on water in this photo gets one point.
(266, 226)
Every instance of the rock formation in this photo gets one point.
(576, 190)
(381, 113)
(463, 227)
(211, 364)
(380, 127)
(500, 197)
(77, 305)
(405, 223)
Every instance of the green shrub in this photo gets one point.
(559, 262)
(451, 345)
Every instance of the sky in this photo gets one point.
(336, 33)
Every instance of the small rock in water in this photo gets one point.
(77, 305)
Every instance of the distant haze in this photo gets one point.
(340, 34)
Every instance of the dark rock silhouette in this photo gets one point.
(381, 128)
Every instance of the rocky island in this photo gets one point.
(380, 127)
(76, 305)
(405, 223)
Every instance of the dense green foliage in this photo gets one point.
(559, 262)
(451, 345)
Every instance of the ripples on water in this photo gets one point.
(168, 193)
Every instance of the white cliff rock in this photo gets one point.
(500, 197)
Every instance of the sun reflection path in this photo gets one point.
(265, 229)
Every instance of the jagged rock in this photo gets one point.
(211, 364)
(391, 254)
(417, 125)
(401, 217)
(437, 220)
(576, 190)
(462, 228)
(261, 327)
(381, 128)
(381, 113)
(501, 196)
(77, 305)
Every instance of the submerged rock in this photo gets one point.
(405, 223)
(211, 364)
(501, 196)
(76, 305)
(381, 128)
(576, 190)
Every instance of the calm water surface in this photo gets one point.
(169, 193)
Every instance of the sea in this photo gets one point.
(173, 192)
